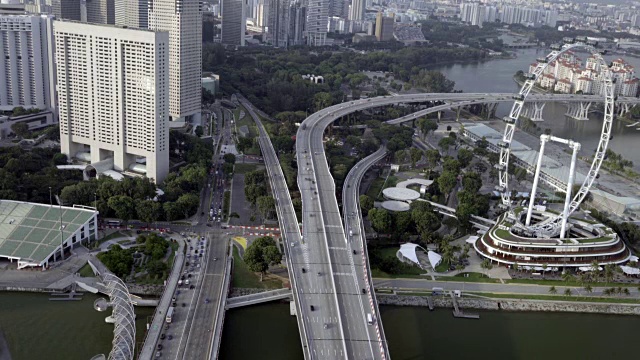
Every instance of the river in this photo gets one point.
(267, 332)
(497, 76)
(36, 328)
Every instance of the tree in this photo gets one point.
(567, 292)
(451, 164)
(545, 266)
(366, 204)
(322, 100)
(553, 290)
(229, 158)
(21, 129)
(188, 203)
(172, 211)
(446, 182)
(402, 222)
(380, 220)
(588, 288)
(464, 157)
(262, 253)
(472, 182)
(427, 125)
(416, 155)
(199, 131)
(433, 156)
(123, 206)
(446, 143)
(266, 206)
(486, 265)
(253, 192)
(148, 211)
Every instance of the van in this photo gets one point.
(437, 291)
(369, 319)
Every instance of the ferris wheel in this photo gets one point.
(551, 224)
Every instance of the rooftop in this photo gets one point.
(32, 231)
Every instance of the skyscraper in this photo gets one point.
(183, 20)
(384, 27)
(277, 28)
(66, 9)
(234, 21)
(113, 96)
(132, 13)
(297, 21)
(356, 13)
(100, 12)
(317, 22)
(27, 70)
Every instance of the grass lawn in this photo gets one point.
(245, 278)
(240, 168)
(442, 267)
(375, 188)
(86, 271)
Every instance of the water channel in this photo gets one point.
(497, 76)
(36, 328)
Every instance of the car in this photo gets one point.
(192, 287)
(304, 270)
(174, 304)
(313, 308)
(189, 276)
(174, 299)
(162, 336)
(190, 247)
(169, 337)
(354, 252)
(159, 346)
(158, 354)
(206, 301)
(215, 259)
(319, 273)
(184, 304)
(202, 213)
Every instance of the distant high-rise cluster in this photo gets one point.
(566, 75)
(475, 13)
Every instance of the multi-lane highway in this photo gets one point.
(357, 244)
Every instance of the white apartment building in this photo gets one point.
(27, 71)
(183, 20)
(113, 96)
(317, 22)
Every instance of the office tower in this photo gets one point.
(338, 8)
(276, 32)
(551, 18)
(297, 21)
(356, 12)
(183, 20)
(233, 22)
(132, 13)
(27, 72)
(66, 9)
(100, 12)
(384, 27)
(208, 27)
(317, 22)
(113, 96)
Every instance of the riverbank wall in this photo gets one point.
(513, 304)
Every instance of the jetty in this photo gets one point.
(72, 295)
(458, 313)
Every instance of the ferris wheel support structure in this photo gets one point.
(551, 226)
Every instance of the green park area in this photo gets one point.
(148, 262)
(251, 269)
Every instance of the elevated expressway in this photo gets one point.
(325, 250)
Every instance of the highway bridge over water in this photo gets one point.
(327, 265)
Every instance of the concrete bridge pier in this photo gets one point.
(578, 111)
(623, 108)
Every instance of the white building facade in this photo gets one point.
(27, 72)
(113, 95)
(183, 20)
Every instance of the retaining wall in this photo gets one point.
(513, 304)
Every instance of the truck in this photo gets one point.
(169, 317)
(369, 319)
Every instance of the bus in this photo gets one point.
(170, 315)
(114, 222)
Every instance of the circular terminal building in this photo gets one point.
(586, 241)
(397, 206)
(400, 194)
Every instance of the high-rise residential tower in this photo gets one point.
(113, 96)
(234, 21)
(183, 20)
(26, 65)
